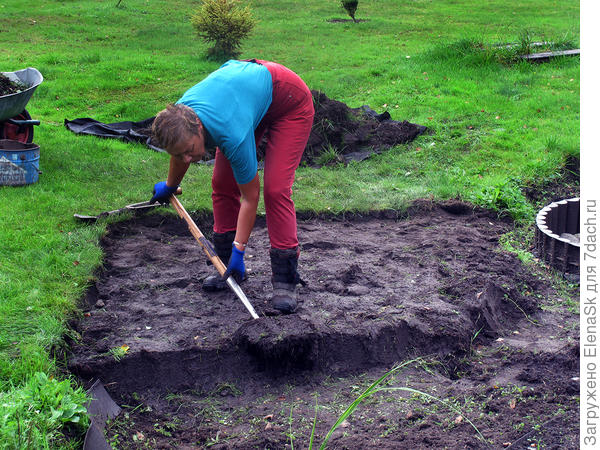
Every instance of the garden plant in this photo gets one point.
(350, 6)
(224, 24)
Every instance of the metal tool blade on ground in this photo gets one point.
(235, 287)
(136, 207)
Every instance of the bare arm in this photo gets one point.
(177, 170)
(247, 215)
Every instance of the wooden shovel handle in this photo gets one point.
(204, 243)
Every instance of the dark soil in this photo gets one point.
(346, 20)
(8, 86)
(495, 339)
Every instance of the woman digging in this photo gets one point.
(231, 110)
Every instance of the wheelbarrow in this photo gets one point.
(15, 122)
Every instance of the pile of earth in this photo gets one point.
(355, 133)
(495, 341)
(352, 134)
(7, 86)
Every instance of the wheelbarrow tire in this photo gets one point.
(21, 133)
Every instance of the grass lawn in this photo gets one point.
(496, 124)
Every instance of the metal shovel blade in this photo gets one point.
(235, 287)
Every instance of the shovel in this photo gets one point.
(210, 252)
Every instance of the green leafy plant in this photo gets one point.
(525, 42)
(506, 198)
(224, 24)
(350, 6)
(40, 410)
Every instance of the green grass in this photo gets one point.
(495, 125)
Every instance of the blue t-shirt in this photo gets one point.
(231, 102)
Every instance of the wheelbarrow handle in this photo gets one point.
(23, 123)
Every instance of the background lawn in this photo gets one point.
(497, 125)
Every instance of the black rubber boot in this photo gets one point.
(222, 243)
(284, 264)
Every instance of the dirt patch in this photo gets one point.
(346, 20)
(493, 338)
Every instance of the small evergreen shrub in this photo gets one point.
(224, 24)
(350, 6)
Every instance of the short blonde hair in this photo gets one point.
(174, 123)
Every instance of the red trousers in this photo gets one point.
(288, 122)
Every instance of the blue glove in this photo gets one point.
(162, 192)
(236, 266)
